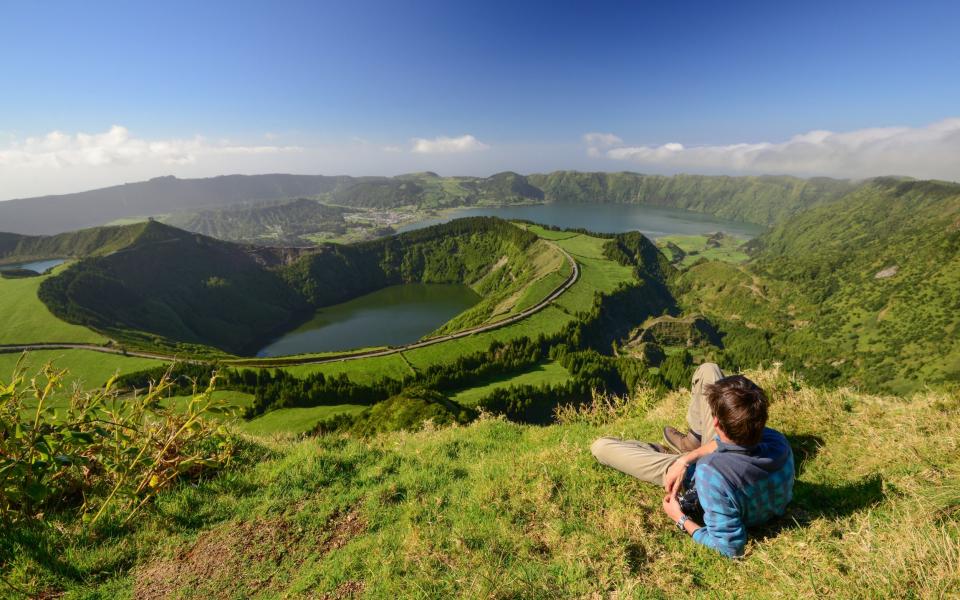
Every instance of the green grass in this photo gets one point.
(597, 273)
(238, 400)
(501, 510)
(87, 368)
(729, 249)
(547, 321)
(24, 319)
(294, 420)
(551, 373)
(364, 370)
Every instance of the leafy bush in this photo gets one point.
(101, 450)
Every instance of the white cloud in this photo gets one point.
(932, 151)
(601, 139)
(596, 141)
(447, 145)
(116, 146)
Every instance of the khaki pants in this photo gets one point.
(641, 459)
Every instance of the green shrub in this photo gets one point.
(102, 450)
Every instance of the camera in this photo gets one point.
(690, 505)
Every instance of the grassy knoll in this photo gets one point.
(550, 372)
(24, 319)
(295, 420)
(497, 509)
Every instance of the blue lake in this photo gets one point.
(652, 221)
(39, 266)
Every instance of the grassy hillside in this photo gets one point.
(865, 290)
(171, 287)
(462, 251)
(497, 509)
(87, 242)
(25, 320)
(686, 250)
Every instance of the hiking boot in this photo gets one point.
(682, 443)
(663, 449)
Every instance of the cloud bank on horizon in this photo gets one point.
(61, 162)
(448, 145)
(57, 150)
(930, 152)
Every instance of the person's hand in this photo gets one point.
(673, 478)
(671, 506)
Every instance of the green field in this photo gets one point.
(597, 272)
(728, 249)
(547, 321)
(87, 369)
(238, 400)
(363, 370)
(86, 366)
(295, 420)
(550, 373)
(24, 319)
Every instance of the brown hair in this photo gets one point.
(740, 406)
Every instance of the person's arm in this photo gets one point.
(673, 478)
(671, 506)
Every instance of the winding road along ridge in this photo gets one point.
(306, 360)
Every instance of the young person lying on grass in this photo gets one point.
(742, 471)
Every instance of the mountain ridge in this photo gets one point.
(764, 200)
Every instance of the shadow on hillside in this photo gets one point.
(823, 500)
(812, 500)
(805, 448)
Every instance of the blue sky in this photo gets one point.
(329, 87)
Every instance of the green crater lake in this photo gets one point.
(392, 316)
(403, 314)
(652, 221)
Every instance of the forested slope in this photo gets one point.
(97, 240)
(865, 290)
(764, 200)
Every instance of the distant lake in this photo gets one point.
(39, 266)
(391, 316)
(652, 221)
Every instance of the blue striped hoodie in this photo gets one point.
(741, 487)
